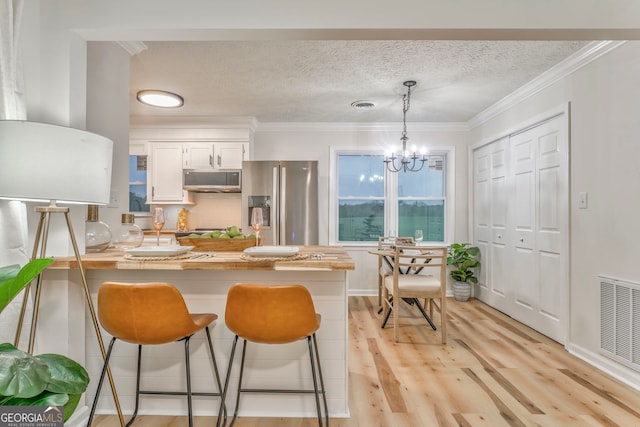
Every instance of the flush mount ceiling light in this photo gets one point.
(160, 98)
(404, 160)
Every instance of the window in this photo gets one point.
(361, 200)
(372, 202)
(138, 184)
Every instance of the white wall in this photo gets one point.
(604, 100)
(108, 115)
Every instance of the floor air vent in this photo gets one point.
(620, 321)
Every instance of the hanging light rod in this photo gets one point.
(405, 161)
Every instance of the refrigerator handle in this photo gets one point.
(275, 213)
(283, 203)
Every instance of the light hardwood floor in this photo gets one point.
(492, 372)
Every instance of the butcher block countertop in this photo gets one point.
(310, 258)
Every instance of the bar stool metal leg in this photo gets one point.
(324, 394)
(188, 367)
(226, 384)
(138, 370)
(102, 374)
(223, 407)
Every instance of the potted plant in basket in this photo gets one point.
(463, 258)
(42, 380)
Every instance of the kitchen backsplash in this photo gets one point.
(210, 211)
(215, 210)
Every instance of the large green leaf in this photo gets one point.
(71, 405)
(46, 398)
(67, 376)
(13, 278)
(21, 375)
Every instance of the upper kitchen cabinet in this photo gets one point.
(230, 155)
(174, 144)
(165, 166)
(219, 155)
(197, 155)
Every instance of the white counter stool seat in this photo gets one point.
(153, 313)
(274, 314)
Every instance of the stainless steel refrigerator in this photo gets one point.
(287, 192)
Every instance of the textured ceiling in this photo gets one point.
(316, 81)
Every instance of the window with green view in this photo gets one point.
(360, 197)
(410, 200)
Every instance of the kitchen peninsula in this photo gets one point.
(204, 281)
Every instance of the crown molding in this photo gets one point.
(350, 127)
(584, 56)
(202, 122)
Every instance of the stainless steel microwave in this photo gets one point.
(210, 181)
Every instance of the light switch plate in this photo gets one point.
(582, 200)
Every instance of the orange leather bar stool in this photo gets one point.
(152, 313)
(274, 314)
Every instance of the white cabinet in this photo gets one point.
(165, 178)
(218, 155)
(197, 155)
(168, 159)
(229, 155)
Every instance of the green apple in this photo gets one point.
(233, 231)
(193, 236)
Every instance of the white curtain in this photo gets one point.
(13, 215)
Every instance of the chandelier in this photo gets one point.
(405, 161)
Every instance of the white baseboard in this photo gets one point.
(611, 367)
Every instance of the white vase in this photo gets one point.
(461, 290)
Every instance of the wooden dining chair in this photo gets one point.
(385, 243)
(418, 272)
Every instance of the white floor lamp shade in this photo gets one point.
(43, 162)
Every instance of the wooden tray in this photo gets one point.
(216, 244)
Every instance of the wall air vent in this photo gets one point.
(436, 163)
(141, 163)
(364, 105)
(620, 321)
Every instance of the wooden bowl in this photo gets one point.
(205, 244)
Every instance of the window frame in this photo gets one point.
(390, 194)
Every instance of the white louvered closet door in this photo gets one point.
(528, 255)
